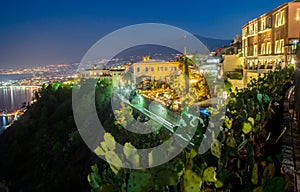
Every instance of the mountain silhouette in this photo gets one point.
(212, 44)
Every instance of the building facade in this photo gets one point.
(154, 70)
(113, 74)
(269, 40)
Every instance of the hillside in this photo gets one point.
(44, 151)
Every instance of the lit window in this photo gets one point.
(277, 47)
(282, 45)
(244, 32)
(250, 29)
(255, 50)
(255, 28)
(263, 49)
(269, 48)
(279, 19)
(263, 24)
(298, 14)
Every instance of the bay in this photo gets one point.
(13, 77)
(12, 99)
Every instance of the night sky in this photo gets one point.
(34, 33)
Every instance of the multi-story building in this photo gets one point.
(270, 40)
(113, 74)
(154, 69)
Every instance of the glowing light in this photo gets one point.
(293, 61)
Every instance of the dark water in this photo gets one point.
(5, 78)
(11, 99)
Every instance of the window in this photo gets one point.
(268, 48)
(138, 69)
(263, 49)
(152, 68)
(146, 69)
(255, 27)
(166, 68)
(279, 19)
(269, 22)
(263, 24)
(255, 50)
(281, 45)
(298, 14)
(277, 47)
(250, 50)
(244, 32)
(175, 68)
(250, 29)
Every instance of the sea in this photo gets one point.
(13, 97)
(13, 77)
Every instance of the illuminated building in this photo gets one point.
(153, 69)
(112, 74)
(269, 40)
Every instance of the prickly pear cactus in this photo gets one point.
(106, 149)
(210, 174)
(94, 178)
(168, 174)
(219, 184)
(131, 154)
(191, 181)
(228, 123)
(139, 181)
(216, 148)
(247, 127)
(251, 120)
(230, 141)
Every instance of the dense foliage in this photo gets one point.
(244, 157)
(43, 151)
